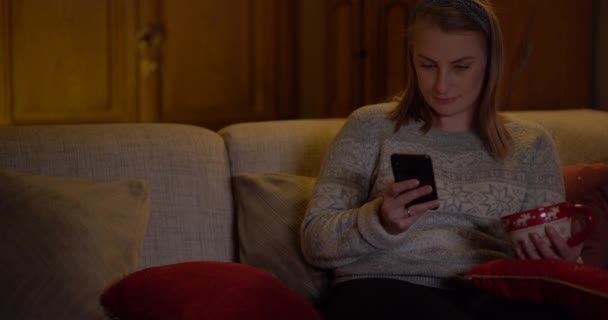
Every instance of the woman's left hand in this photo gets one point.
(536, 248)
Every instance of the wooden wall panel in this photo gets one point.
(548, 43)
(386, 43)
(5, 85)
(311, 54)
(345, 57)
(71, 61)
(396, 14)
(150, 37)
(549, 53)
(223, 61)
(600, 42)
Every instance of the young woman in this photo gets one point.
(395, 260)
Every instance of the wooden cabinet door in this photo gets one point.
(5, 97)
(548, 53)
(365, 53)
(226, 61)
(67, 61)
(344, 57)
(386, 44)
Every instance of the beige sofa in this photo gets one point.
(189, 168)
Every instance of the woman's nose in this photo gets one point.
(441, 82)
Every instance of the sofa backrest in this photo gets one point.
(189, 168)
(191, 215)
(298, 146)
(580, 135)
(288, 146)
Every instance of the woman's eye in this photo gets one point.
(427, 66)
(462, 67)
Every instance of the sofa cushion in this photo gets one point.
(581, 289)
(204, 290)
(63, 241)
(588, 184)
(270, 209)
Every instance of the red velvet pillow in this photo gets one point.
(582, 289)
(204, 290)
(588, 184)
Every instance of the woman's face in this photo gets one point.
(450, 68)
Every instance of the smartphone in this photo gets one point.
(415, 166)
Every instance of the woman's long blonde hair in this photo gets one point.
(488, 123)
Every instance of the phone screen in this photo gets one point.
(415, 166)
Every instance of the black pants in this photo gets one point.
(395, 299)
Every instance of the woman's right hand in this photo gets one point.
(395, 214)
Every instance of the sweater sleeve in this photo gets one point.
(545, 182)
(341, 225)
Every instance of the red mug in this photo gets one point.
(520, 225)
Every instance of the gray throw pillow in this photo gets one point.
(270, 210)
(63, 241)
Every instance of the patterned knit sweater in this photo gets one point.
(342, 231)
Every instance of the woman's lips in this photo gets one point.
(443, 101)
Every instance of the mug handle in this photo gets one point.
(590, 225)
